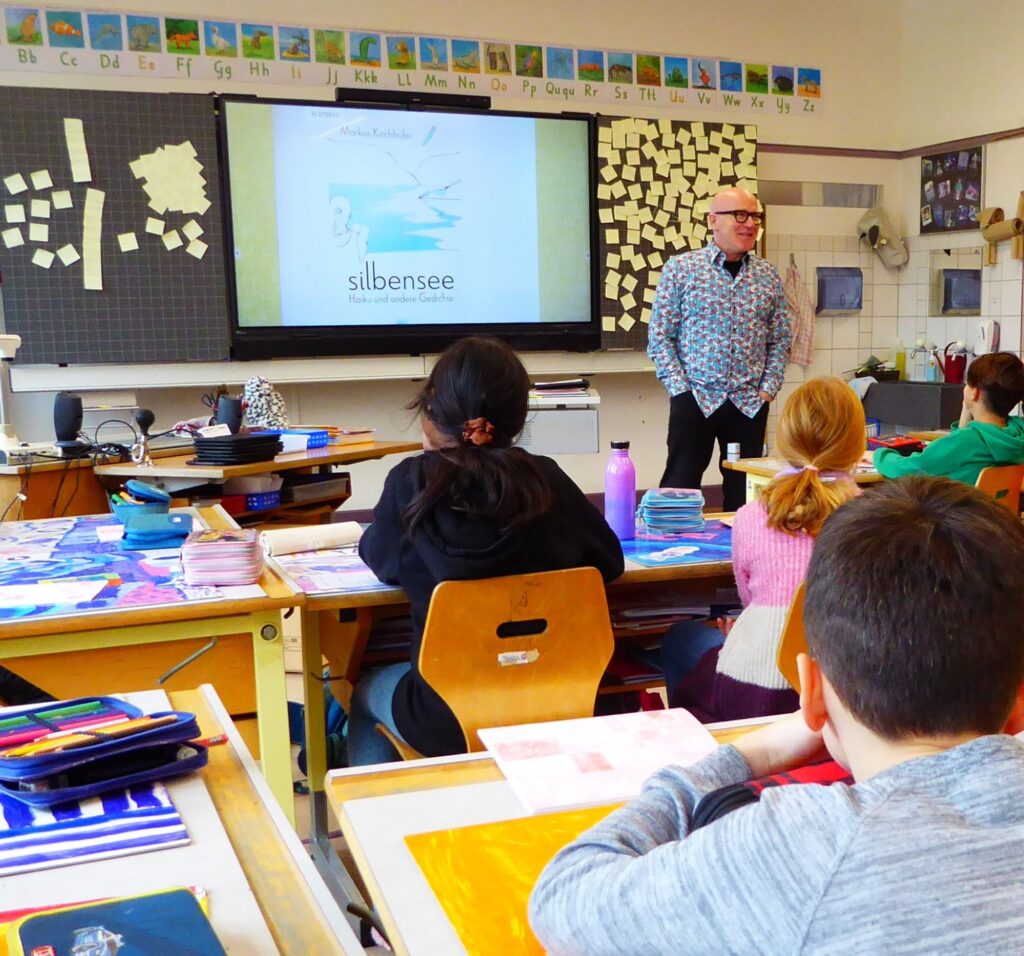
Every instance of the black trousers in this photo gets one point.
(15, 690)
(691, 440)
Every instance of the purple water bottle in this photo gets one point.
(620, 492)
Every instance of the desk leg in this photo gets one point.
(338, 881)
(272, 708)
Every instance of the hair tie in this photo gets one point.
(796, 471)
(810, 468)
(478, 431)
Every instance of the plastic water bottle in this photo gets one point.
(620, 492)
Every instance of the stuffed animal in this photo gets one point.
(264, 406)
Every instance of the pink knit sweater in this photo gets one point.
(741, 679)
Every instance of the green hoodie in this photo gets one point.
(960, 455)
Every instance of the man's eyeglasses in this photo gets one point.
(742, 215)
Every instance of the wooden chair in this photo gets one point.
(517, 649)
(793, 640)
(1004, 484)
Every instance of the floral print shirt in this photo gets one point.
(722, 338)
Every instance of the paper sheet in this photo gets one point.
(127, 242)
(68, 254)
(155, 227)
(196, 248)
(40, 209)
(14, 212)
(42, 258)
(61, 199)
(41, 179)
(13, 238)
(171, 239)
(15, 184)
(38, 232)
(92, 228)
(191, 230)
(78, 154)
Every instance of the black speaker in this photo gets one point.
(67, 423)
(67, 416)
(229, 412)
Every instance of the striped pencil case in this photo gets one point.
(70, 750)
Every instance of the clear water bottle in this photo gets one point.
(620, 492)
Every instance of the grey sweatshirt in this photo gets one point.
(926, 857)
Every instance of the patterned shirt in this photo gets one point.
(722, 338)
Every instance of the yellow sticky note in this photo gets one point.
(649, 295)
(646, 174)
(155, 227)
(14, 212)
(607, 173)
(611, 237)
(607, 323)
(633, 237)
(628, 301)
(40, 209)
(618, 189)
(612, 260)
(15, 184)
(41, 179)
(605, 216)
(128, 242)
(604, 135)
(13, 238)
(196, 248)
(626, 322)
(604, 192)
(171, 240)
(68, 254)
(658, 242)
(627, 252)
(645, 316)
(629, 173)
(42, 258)
(636, 192)
(61, 199)
(648, 233)
(655, 261)
(632, 140)
(39, 232)
(639, 263)
(629, 283)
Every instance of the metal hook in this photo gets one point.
(792, 261)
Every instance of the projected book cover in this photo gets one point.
(388, 217)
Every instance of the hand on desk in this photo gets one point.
(779, 746)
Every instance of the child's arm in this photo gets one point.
(749, 883)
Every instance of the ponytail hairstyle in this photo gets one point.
(821, 430)
(476, 399)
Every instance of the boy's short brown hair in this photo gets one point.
(1000, 377)
(915, 608)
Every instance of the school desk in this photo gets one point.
(314, 459)
(264, 893)
(377, 807)
(96, 652)
(760, 471)
(336, 627)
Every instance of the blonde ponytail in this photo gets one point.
(821, 430)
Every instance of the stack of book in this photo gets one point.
(672, 510)
(225, 557)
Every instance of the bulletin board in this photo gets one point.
(655, 181)
(162, 294)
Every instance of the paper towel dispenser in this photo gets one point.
(875, 228)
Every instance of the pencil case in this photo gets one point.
(70, 750)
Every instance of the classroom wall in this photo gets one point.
(876, 70)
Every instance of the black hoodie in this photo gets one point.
(450, 545)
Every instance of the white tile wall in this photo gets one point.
(896, 303)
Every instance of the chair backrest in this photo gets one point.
(517, 649)
(1004, 484)
(793, 640)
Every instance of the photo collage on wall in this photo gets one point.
(951, 190)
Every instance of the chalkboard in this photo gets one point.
(156, 304)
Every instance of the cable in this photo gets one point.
(74, 490)
(60, 484)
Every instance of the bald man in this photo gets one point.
(719, 337)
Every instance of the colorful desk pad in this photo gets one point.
(63, 566)
(714, 543)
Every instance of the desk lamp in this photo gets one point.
(9, 345)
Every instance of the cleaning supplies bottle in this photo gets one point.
(620, 492)
(931, 372)
(899, 360)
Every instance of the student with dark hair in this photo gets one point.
(915, 632)
(985, 436)
(471, 506)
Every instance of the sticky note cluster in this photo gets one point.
(173, 179)
(656, 180)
